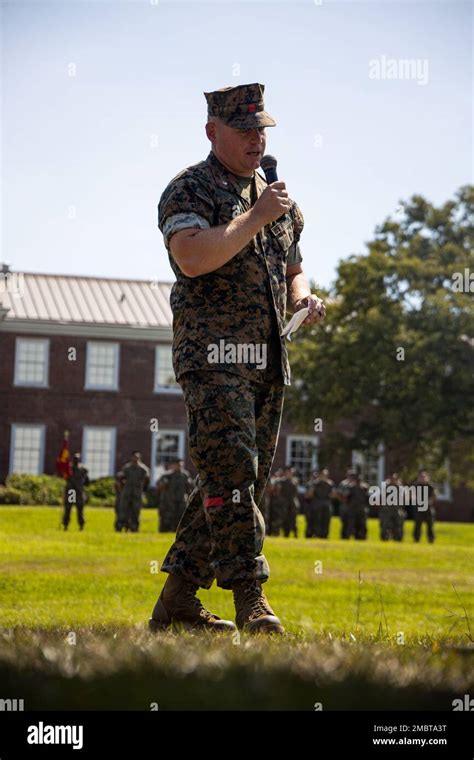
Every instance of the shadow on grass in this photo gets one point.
(129, 669)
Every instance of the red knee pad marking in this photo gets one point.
(213, 501)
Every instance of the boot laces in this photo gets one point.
(189, 593)
(254, 597)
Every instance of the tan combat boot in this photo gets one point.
(254, 614)
(178, 605)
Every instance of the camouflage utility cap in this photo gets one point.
(241, 107)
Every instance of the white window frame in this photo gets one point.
(113, 447)
(154, 473)
(14, 427)
(445, 494)
(314, 439)
(114, 387)
(359, 458)
(443, 490)
(43, 383)
(163, 388)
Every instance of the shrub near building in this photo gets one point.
(49, 490)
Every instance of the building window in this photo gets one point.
(165, 445)
(27, 449)
(302, 454)
(165, 381)
(370, 465)
(31, 362)
(98, 451)
(102, 366)
(443, 491)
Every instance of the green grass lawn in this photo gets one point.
(403, 634)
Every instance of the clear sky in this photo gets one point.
(103, 104)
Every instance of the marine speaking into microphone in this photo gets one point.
(233, 289)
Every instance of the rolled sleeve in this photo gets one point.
(294, 254)
(185, 203)
(182, 221)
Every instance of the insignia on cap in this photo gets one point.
(241, 107)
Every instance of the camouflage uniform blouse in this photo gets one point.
(244, 301)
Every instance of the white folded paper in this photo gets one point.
(295, 321)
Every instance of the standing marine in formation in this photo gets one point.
(136, 478)
(391, 512)
(74, 493)
(318, 494)
(286, 490)
(357, 500)
(172, 490)
(342, 491)
(424, 507)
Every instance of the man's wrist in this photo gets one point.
(300, 302)
(256, 217)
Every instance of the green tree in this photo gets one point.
(393, 362)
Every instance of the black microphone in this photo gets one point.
(269, 166)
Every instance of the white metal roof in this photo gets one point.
(79, 299)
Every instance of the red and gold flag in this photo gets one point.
(63, 463)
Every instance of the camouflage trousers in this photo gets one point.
(233, 427)
(354, 522)
(276, 516)
(170, 512)
(318, 518)
(79, 502)
(289, 520)
(391, 523)
(129, 506)
(427, 517)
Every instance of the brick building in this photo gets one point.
(93, 356)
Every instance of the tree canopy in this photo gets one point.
(394, 358)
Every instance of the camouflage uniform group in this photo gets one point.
(169, 496)
(320, 499)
